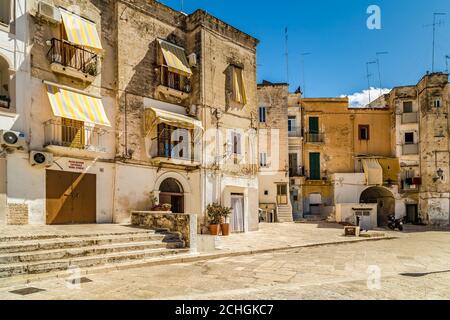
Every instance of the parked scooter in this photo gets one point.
(394, 224)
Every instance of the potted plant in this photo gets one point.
(165, 207)
(214, 218)
(225, 225)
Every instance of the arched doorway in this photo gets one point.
(171, 191)
(385, 201)
(5, 95)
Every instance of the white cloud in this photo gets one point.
(361, 99)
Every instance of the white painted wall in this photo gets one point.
(345, 212)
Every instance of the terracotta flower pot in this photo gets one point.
(225, 229)
(214, 229)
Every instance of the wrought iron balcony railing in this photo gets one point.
(315, 137)
(174, 80)
(75, 57)
(295, 132)
(78, 137)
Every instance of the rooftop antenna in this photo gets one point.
(379, 69)
(368, 77)
(287, 53)
(303, 55)
(434, 25)
(447, 57)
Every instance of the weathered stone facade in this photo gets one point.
(17, 214)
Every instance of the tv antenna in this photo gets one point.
(447, 57)
(379, 69)
(286, 39)
(368, 77)
(434, 25)
(303, 55)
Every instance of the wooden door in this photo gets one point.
(314, 166)
(282, 194)
(71, 197)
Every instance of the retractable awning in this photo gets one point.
(155, 116)
(76, 106)
(175, 58)
(80, 31)
(391, 169)
(373, 171)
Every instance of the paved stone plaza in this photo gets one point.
(414, 266)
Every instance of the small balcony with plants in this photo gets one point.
(72, 60)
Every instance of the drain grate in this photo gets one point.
(79, 280)
(27, 291)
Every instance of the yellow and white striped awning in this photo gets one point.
(175, 58)
(80, 31)
(76, 106)
(154, 116)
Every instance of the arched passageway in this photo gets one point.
(385, 203)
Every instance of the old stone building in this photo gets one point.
(273, 151)
(133, 104)
(421, 137)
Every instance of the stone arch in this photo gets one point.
(385, 201)
(184, 185)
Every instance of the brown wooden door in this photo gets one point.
(71, 197)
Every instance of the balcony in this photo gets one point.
(295, 132)
(173, 85)
(315, 137)
(170, 148)
(296, 172)
(410, 117)
(410, 149)
(73, 61)
(71, 140)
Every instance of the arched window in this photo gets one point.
(170, 185)
(5, 12)
(5, 97)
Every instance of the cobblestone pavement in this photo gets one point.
(415, 266)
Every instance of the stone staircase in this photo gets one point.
(284, 213)
(36, 254)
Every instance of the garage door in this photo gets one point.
(71, 197)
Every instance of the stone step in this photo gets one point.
(77, 242)
(69, 253)
(14, 269)
(49, 236)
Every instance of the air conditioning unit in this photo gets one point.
(41, 159)
(12, 139)
(192, 59)
(49, 13)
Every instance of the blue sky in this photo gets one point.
(336, 35)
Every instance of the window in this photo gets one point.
(262, 114)
(173, 142)
(292, 123)
(263, 160)
(5, 98)
(5, 12)
(364, 132)
(236, 143)
(407, 107)
(409, 137)
(437, 102)
(293, 165)
(237, 87)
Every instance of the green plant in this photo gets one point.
(225, 213)
(214, 211)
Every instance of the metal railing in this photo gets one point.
(76, 57)
(176, 144)
(174, 80)
(297, 172)
(295, 132)
(410, 149)
(410, 117)
(315, 137)
(78, 137)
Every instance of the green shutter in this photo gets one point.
(314, 166)
(313, 125)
